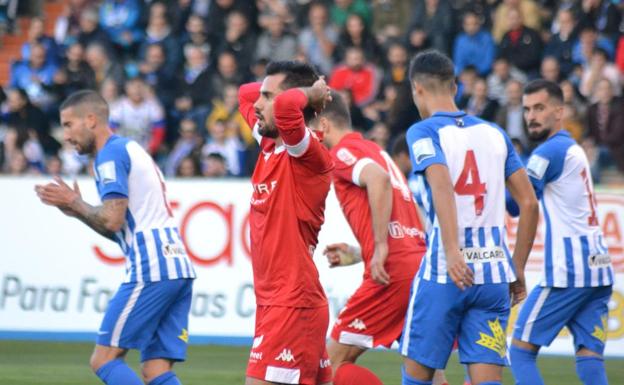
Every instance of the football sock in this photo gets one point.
(116, 372)
(524, 366)
(591, 370)
(352, 374)
(409, 380)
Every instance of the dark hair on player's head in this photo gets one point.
(87, 98)
(552, 89)
(432, 69)
(337, 111)
(298, 74)
(399, 145)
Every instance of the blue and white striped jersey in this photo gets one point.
(423, 198)
(575, 253)
(479, 157)
(149, 238)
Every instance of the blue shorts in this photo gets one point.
(584, 310)
(151, 317)
(438, 313)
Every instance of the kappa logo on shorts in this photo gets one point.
(286, 356)
(497, 341)
(184, 336)
(601, 333)
(357, 324)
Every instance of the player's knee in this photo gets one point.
(525, 345)
(341, 353)
(97, 360)
(153, 368)
(584, 352)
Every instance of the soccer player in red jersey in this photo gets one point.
(380, 209)
(290, 182)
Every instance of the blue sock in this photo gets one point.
(116, 372)
(167, 378)
(524, 366)
(409, 380)
(591, 370)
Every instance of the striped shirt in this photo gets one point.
(479, 157)
(575, 253)
(149, 237)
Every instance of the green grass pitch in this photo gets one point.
(44, 363)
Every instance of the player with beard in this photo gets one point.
(290, 183)
(578, 275)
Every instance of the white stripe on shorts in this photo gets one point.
(123, 317)
(528, 327)
(410, 315)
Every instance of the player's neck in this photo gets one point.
(100, 140)
(441, 103)
(554, 132)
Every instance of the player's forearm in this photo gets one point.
(96, 217)
(288, 112)
(380, 201)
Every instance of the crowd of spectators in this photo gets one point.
(170, 70)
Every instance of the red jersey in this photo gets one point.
(290, 184)
(406, 240)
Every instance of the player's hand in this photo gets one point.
(517, 289)
(59, 195)
(459, 271)
(319, 94)
(377, 269)
(341, 254)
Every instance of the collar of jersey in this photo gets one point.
(449, 114)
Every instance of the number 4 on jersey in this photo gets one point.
(469, 182)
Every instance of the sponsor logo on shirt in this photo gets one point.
(286, 356)
(483, 254)
(346, 157)
(537, 166)
(107, 172)
(423, 149)
(265, 188)
(599, 260)
(397, 230)
(170, 250)
(325, 363)
(495, 341)
(357, 324)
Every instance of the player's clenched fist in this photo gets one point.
(319, 94)
(59, 194)
(517, 288)
(459, 271)
(341, 254)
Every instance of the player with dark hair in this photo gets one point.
(290, 183)
(578, 275)
(466, 162)
(150, 310)
(380, 209)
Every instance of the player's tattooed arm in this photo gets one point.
(106, 219)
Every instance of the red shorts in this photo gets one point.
(289, 346)
(374, 315)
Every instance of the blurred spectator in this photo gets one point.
(599, 68)
(571, 96)
(102, 65)
(275, 43)
(72, 162)
(90, 31)
(520, 150)
(120, 20)
(139, 117)
(240, 40)
(619, 56)
(188, 168)
(188, 145)
(603, 15)
(8, 12)
(529, 13)
(474, 46)
(358, 120)
(226, 109)
(157, 74)
(75, 74)
(431, 24)
(159, 31)
(284, 9)
(605, 127)
(318, 40)
(214, 165)
(391, 18)
(465, 82)
(379, 134)
(67, 26)
(356, 75)
(218, 15)
(561, 44)
(35, 76)
(500, 76)
(521, 45)
(587, 44)
(18, 164)
(36, 35)
(195, 34)
(193, 91)
(550, 69)
(343, 8)
(356, 34)
(225, 143)
(510, 114)
(53, 166)
(110, 91)
(396, 70)
(227, 72)
(572, 122)
(479, 104)
(27, 119)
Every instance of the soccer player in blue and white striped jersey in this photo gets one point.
(463, 287)
(150, 310)
(578, 275)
